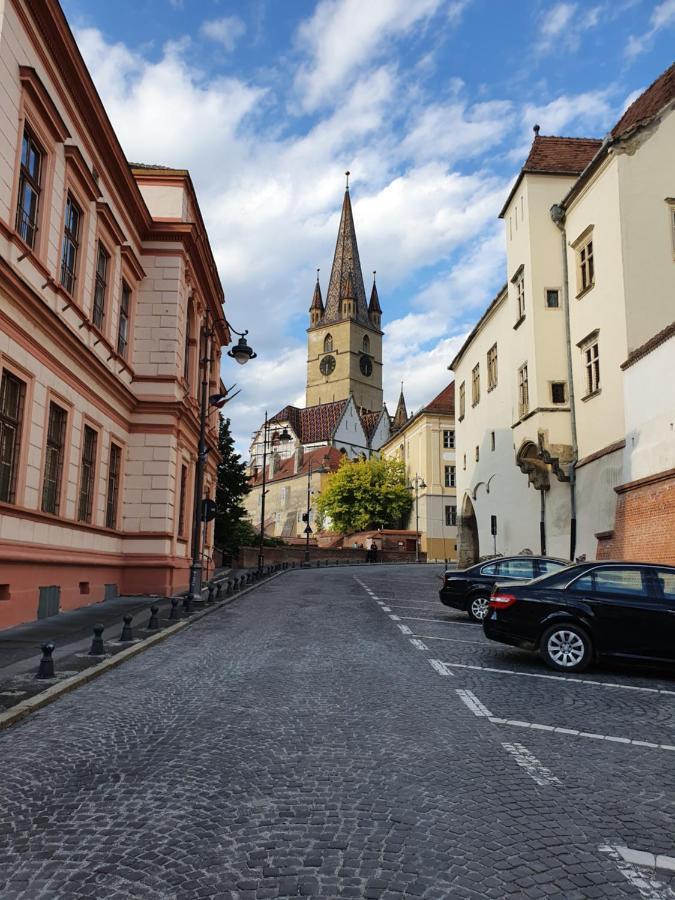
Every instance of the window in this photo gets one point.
(12, 392)
(552, 298)
(123, 329)
(592, 364)
(114, 468)
(585, 266)
(523, 392)
(464, 462)
(102, 260)
(549, 566)
(516, 568)
(665, 583)
(492, 367)
(475, 385)
(477, 453)
(328, 344)
(490, 569)
(30, 176)
(558, 392)
(285, 493)
(493, 441)
(451, 515)
(181, 501)
(462, 401)
(54, 450)
(450, 476)
(71, 244)
(449, 439)
(624, 581)
(187, 350)
(519, 284)
(366, 344)
(87, 473)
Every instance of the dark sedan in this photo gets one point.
(587, 612)
(469, 589)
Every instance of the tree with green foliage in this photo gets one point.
(232, 528)
(369, 493)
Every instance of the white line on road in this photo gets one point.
(400, 601)
(439, 621)
(574, 732)
(440, 667)
(474, 704)
(646, 859)
(419, 644)
(386, 609)
(405, 629)
(528, 761)
(394, 618)
(433, 637)
(409, 605)
(647, 887)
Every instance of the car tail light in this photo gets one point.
(501, 600)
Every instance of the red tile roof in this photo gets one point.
(443, 403)
(313, 423)
(658, 95)
(560, 155)
(325, 458)
(369, 421)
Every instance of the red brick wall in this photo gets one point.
(644, 526)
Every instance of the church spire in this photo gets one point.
(346, 267)
(401, 414)
(374, 308)
(316, 309)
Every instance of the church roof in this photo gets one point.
(346, 275)
(317, 300)
(374, 305)
(443, 403)
(313, 423)
(401, 414)
(326, 459)
(370, 420)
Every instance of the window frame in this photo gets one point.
(448, 438)
(591, 364)
(492, 367)
(475, 385)
(518, 282)
(15, 463)
(101, 286)
(123, 348)
(553, 385)
(89, 518)
(181, 506)
(551, 290)
(523, 391)
(36, 184)
(66, 236)
(452, 509)
(114, 489)
(328, 343)
(462, 400)
(61, 457)
(450, 476)
(584, 261)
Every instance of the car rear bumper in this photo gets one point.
(448, 599)
(496, 631)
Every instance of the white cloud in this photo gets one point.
(225, 31)
(563, 24)
(662, 17)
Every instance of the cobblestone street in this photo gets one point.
(339, 733)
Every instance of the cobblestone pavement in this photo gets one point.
(324, 737)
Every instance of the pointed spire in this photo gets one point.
(348, 292)
(346, 263)
(401, 414)
(374, 305)
(317, 299)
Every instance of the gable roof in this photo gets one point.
(313, 423)
(370, 421)
(443, 403)
(324, 459)
(648, 104)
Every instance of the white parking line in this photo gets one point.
(405, 629)
(399, 601)
(572, 679)
(419, 644)
(574, 732)
(646, 859)
(394, 618)
(386, 609)
(474, 704)
(433, 637)
(647, 887)
(408, 605)
(440, 667)
(528, 761)
(440, 621)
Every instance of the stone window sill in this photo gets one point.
(591, 395)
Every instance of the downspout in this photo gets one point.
(558, 217)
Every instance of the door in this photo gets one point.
(662, 586)
(49, 601)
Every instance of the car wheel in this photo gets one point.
(566, 648)
(478, 607)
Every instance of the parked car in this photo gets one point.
(469, 589)
(589, 611)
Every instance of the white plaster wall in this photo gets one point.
(350, 434)
(596, 500)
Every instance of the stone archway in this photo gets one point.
(467, 532)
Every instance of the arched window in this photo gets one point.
(366, 344)
(187, 356)
(328, 344)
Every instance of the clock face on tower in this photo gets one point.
(327, 365)
(366, 365)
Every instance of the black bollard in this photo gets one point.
(46, 667)
(228, 588)
(97, 648)
(127, 633)
(153, 624)
(187, 605)
(211, 596)
(173, 615)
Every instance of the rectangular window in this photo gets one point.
(585, 266)
(475, 385)
(12, 393)
(451, 515)
(558, 392)
(87, 474)
(477, 452)
(449, 440)
(54, 450)
(493, 441)
(519, 283)
(30, 176)
(100, 286)
(450, 476)
(71, 244)
(592, 363)
(464, 465)
(552, 298)
(181, 501)
(523, 392)
(123, 330)
(492, 367)
(114, 468)
(462, 401)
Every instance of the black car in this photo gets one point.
(589, 611)
(469, 589)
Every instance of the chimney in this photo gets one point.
(275, 461)
(298, 457)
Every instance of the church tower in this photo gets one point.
(344, 343)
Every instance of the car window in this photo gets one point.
(623, 581)
(516, 568)
(548, 566)
(490, 569)
(665, 581)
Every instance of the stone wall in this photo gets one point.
(248, 556)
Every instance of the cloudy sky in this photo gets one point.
(429, 103)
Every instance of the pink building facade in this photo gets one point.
(110, 303)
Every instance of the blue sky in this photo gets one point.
(429, 103)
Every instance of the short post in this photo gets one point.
(212, 593)
(153, 623)
(173, 615)
(46, 667)
(97, 648)
(127, 633)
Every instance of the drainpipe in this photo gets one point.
(558, 217)
(542, 521)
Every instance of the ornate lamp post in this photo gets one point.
(308, 527)
(416, 483)
(285, 438)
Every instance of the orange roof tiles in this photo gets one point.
(443, 403)
(648, 104)
(560, 155)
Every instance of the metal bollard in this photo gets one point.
(228, 587)
(212, 593)
(46, 667)
(173, 615)
(127, 633)
(153, 624)
(97, 648)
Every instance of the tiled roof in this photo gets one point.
(313, 423)
(658, 95)
(327, 459)
(560, 155)
(443, 403)
(346, 268)
(369, 421)
(137, 165)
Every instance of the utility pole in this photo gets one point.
(261, 552)
(308, 529)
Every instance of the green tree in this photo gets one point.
(370, 493)
(232, 528)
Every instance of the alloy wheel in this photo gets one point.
(478, 608)
(566, 648)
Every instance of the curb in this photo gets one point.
(27, 707)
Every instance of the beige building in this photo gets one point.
(109, 297)
(426, 443)
(551, 428)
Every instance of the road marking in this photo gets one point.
(574, 732)
(408, 605)
(394, 618)
(647, 887)
(609, 684)
(528, 761)
(440, 667)
(646, 859)
(386, 609)
(419, 644)
(440, 621)
(433, 637)
(474, 704)
(402, 601)
(405, 629)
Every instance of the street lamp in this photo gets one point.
(308, 527)
(285, 438)
(217, 401)
(241, 352)
(417, 483)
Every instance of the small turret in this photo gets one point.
(348, 297)
(401, 414)
(316, 309)
(374, 308)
